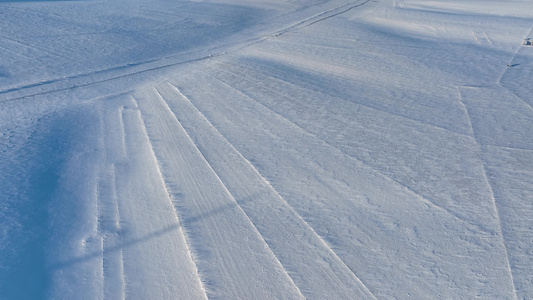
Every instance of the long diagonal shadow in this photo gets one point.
(186, 220)
(118, 247)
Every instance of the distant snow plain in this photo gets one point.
(283, 149)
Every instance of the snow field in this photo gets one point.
(266, 149)
(336, 210)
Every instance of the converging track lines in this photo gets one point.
(277, 227)
(264, 181)
(493, 198)
(218, 177)
(214, 220)
(419, 196)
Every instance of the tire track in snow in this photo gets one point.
(493, 199)
(186, 238)
(109, 229)
(276, 219)
(100, 281)
(145, 248)
(93, 244)
(324, 15)
(162, 62)
(114, 284)
(223, 185)
(61, 84)
(182, 231)
(232, 256)
(418, 196)
(332, 192)
(338, 11)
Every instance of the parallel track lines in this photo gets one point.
(212, 215)
(264, 181)
(324, 15)
(224, 186)
(162, 178)
(170, 60)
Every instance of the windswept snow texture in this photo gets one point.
(276, 149)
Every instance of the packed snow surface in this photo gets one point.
(275, 149)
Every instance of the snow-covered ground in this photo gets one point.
(275, 149)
